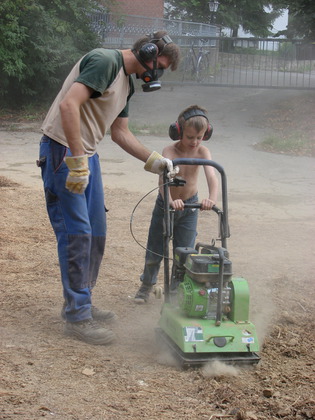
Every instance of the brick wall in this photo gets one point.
(149, 8)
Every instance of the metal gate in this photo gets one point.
(248, 62)
(211, 59)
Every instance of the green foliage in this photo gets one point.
(255, 16)
(40, 40)
(250, 14)
(301, 19)
(12, 36)
(286, 49)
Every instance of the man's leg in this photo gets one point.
(69, 216)
(97, 217)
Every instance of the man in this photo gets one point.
(93, 99)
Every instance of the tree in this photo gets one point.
(39, 41)
(301, 22)
(255, 16)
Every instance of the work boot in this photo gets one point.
(97, 314)
(89, 331)
(142, 295)
(103, 315)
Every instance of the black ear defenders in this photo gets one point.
(176, 132)
(147, 53)
(151, 50)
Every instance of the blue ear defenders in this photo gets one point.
(147, 53)
(175, 131)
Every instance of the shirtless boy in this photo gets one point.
(191, 128)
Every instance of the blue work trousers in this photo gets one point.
(79, 223)
(184, 235)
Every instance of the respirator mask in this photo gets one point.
(147, 53)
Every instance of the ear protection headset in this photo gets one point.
(150, 51)
(176, 131)
(147, 53)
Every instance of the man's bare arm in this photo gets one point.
(121, 135)
(70, 115)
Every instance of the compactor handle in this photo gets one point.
(198, 206)
(219, 168)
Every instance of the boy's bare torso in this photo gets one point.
(188, 172)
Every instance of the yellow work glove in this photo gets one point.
(156, 164)
(78, 177)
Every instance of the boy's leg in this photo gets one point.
(185, 226)
(184, 234)
(154, 253)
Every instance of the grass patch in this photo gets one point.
(11, 119)
(6, 182)
(292, 121)
(290, 145)
(148, 130)
(27, 114)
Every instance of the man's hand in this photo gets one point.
(78, 177)
(156, 164)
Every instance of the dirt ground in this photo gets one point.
(271, 215)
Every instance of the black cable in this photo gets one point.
(131, 221)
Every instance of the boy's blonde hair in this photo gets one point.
(198, 122)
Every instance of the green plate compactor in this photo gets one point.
(205, 314)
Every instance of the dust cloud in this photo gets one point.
(217, 369)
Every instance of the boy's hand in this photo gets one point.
(78, 177)
(156, 164)
(177, 204)
(207, 204)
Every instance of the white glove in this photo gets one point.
(78, 177)
(156, 164)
